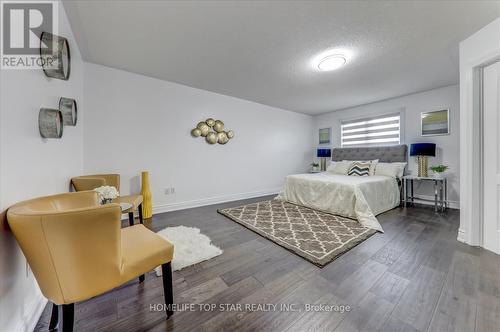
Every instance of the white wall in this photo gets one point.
(135, 123)
(477, 51)
(31, 166)
(447, 146)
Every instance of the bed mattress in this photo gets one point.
(356, 197)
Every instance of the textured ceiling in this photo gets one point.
(262, 51)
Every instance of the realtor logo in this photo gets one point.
(22, 25)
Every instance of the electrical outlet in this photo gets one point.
(169, 191)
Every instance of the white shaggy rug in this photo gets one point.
(190, 246)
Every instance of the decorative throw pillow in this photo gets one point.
(339, 167)
(395, 170)
(373, 164)
(359, 168)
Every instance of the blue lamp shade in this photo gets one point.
(324, 153)
(423, 149)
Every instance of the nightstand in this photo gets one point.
(440, 191)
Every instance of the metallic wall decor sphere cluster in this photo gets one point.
(213, 131)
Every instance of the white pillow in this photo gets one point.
(339, 167)
(373, 164)
(395, 170)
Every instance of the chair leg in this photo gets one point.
(54, 317)
(141, 219)
(131, 218)
(166, 271)
(68, 317)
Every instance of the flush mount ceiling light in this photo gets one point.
(332, 62)
(332, 59)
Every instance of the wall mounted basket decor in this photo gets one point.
(213, 131)
(50, 123)
(67, 106)
(55, 55)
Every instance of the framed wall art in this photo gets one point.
(435, 123)
(325, 136)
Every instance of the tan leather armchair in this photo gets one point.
(77, 249)
(90, 182)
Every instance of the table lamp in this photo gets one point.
(323, 154)
(422, 151)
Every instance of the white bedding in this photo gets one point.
(357, 197)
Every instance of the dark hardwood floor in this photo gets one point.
(414, 277)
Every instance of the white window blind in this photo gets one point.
(372, 131)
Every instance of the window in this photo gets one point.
(372, 131)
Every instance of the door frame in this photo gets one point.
(495, 248)
(476, 52)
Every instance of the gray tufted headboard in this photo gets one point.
(385, 154)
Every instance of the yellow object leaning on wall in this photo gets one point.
(147, 204)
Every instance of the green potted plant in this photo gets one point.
(314, 167)
(439, 170)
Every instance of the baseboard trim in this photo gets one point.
(161, 208)
(33, 313)
(37, 312)
(451, 204)
(461, 237)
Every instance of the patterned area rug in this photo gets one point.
(316, 236)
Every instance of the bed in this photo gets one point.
(360, 198)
